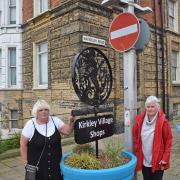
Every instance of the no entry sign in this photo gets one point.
(124, 32)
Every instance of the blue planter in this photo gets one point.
(178, 127)
(123, 172)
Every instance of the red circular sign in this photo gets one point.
(124, 32)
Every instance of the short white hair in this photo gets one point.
(152, 99)
(40, 104)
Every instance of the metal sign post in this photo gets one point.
(92, 82)
(130, 96)
(130, 90)
(130, 71)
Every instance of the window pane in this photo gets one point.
(14, 124)
(12, 54)
(171, 8)
(12, 66)
(43, 5)
(171, 11)
(43, 47)
(12, 11)
(12, 15)
(174, 59)
(43, 69)
(43, 63)
(12, 2)
(14, 119)
(13, 76)
(14, 114)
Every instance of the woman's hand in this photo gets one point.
(162, 163)
(71, 119)
(68, 128)
(24, 163)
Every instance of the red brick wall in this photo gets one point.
(54, 3)
(27, 10)
(150, 16)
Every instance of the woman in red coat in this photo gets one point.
(152, 139)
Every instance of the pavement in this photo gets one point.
(11, 168)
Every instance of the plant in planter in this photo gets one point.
(82, 163)
(84, 157)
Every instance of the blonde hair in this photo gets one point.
(40, 104)
(152, 99)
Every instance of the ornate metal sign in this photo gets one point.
(92, 76)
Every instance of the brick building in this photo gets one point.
(53, 32)
(60, 31)
(11, 82)
(59, 28)
(164, 48)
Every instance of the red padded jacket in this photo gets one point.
(162, 142)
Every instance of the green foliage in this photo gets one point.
(112, 153)
(11, 143)
(83, 160)
(83, 156)
(83, 148)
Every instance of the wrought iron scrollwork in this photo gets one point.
(92, 76)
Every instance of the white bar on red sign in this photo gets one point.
(124, 31)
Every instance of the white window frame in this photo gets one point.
(12, 119)
(10, 66)
(175, 61)
(12, 7)
(40, 6)
(173, 15)
(40, 56)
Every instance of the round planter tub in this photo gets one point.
(123, 172)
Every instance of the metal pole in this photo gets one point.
(96, 142)
(130, 91)
(130, 96)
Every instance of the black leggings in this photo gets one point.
(148, 175)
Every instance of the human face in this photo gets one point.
(152, 109)
(42, 115)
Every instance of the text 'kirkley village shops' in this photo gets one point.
(92, 128)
